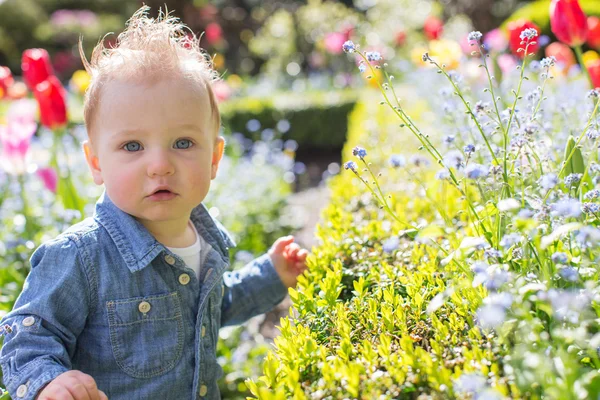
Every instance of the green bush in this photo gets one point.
(317, 120)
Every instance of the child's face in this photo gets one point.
(151, 137)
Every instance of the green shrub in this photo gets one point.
(317, 120)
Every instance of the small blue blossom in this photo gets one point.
(419, 160)
(453, 159)
(569, 274)
(568, 208)
(442, 174)
(470, 148)
(490, 316)
(525, 214)
(480, 267)
(359, 152)
(510, 239)
(253, 125)
(471, 383)
(476, 171)
(559, 258)
(397, 161)
(391, 244)
(449, 139)
(548, 181)
(362, 67)
(373, 56)
(547, 62)
(351, 165)
(475, 36)
(588, 236)
(573, 179)
(592, 194)
(492, 253)
(528, 34)
(590, 208)
(349, 46)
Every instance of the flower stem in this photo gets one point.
(582, 65)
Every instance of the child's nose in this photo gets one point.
(160, 164)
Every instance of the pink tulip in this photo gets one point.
(214, 33)
(16, 135)
(49, 177)
(495, 40)
(221, 90)
(507, 63)
(334, 42)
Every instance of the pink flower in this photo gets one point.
(49, 177)
(221, 90)
(507, 63)
(495, 40)
(334, 42)
(16, 135)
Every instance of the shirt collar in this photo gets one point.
(136, 244)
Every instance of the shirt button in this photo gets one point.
(22, 391)
(144, 307)
(170, 259)
(203, 390)
(28, 321)
(203, 331)
(184, 279)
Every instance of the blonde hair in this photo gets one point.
(146, 51)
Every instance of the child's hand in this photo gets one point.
(289, 260)
(72, 385)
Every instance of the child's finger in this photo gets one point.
(302, 254)
(281, 243)
(293, 250)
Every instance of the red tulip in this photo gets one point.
(51, 98)
(433, 28)
(400, 38)
(6, 81)
(563, 54)
(594, 69)
(593, 38)
(514, 31)
(36, 66)
(568, 22)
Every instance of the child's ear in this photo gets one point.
(92, 161)
(217, 156)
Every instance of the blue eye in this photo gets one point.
(183, 144)
(132, 146)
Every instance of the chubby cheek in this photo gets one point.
(198, 181)
(123, 188)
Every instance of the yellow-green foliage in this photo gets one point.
(362, 329)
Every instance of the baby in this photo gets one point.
(128, 304)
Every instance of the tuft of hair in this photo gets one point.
(146, 51)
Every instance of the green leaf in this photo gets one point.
(575, 164)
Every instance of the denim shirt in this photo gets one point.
(106, 298)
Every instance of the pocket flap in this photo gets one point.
(141, 309)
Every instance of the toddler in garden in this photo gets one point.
(128, 304)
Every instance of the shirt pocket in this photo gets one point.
(146, 334)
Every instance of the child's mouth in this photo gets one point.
(162, 195)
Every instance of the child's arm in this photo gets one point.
(263, 283)
(40, 332)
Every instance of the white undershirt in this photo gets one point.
(194, 255)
